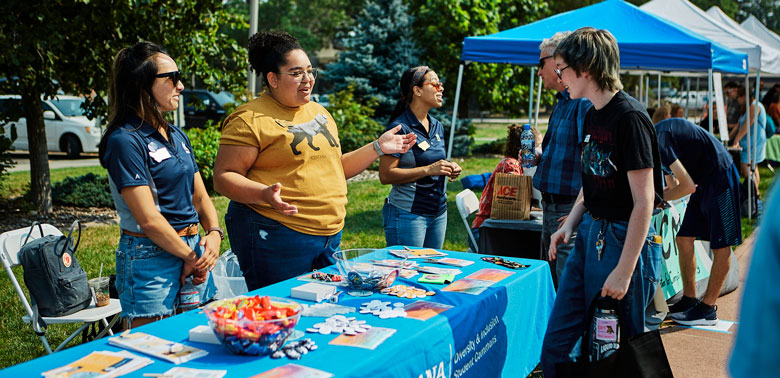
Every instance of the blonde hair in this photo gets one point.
(594, 51)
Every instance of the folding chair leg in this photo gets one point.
(74, 334)
(46, 344)
(108, 327)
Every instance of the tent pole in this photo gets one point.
(641, 87)
(697, 99)
(538, 101)
(687, 95)
(531, 96)
(748, 124)
(753, 162)
(647, 90)
(709, 99)
(659, 90)
(454, 113)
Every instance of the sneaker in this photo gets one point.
(683, 305)
(701, 315)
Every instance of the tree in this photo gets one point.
(69, 45)
(378, 49)
(443, 24)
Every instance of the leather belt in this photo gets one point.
(558, 198)
(189, 230)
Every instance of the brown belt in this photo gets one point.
(190, 230)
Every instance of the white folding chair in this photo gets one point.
(10, 245)
(467, 203)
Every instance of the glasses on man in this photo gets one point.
(436, 84)
(559, 72)
(175, 76)
(298, 75)
(541, 61)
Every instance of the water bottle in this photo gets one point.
(604, 331)
(527, 151)
(189, 296)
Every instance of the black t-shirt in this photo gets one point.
(617, 138)
(703, 156)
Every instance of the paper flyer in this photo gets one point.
(367, 340)
(490, 274)
(468, 286)
(417, 253)
(183, 372)
(293, 371)
(424, 310)
(100, 364)
(451, 261)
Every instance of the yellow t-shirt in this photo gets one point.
(299, 148)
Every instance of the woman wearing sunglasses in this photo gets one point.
(157, 189)
(415, 211)
(280, 162)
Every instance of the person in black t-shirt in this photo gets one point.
(616, 253)
(704, 169)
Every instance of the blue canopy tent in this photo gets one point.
(646, 42)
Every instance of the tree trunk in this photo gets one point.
(40, 179)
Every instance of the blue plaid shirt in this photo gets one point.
(559, 170)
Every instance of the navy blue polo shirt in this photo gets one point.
(703, 156)
(425, 196)
(137, 154)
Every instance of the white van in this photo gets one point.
(695, 100)
(67, 129)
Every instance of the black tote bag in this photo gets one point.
(641, 356)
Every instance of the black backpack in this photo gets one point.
(57, 283)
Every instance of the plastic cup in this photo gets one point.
(100, 287)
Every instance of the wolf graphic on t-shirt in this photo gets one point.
(318, 125)
(596, 162)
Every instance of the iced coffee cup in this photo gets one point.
(99, 286)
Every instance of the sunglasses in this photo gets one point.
(559, 72)
(541, 61)
(175, 76)
(436, 84)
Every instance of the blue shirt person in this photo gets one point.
(415, 211)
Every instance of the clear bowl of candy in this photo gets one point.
(255, 326)
(366, 269)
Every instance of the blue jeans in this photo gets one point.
(584, 276)
(404, 228)
(147, 277)
(552, 212)
(269, 252)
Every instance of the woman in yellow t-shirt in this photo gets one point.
(281, 140)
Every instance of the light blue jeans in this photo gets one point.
(584, 276)
(404, 228)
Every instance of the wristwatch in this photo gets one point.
(378, 148)
(217, 229)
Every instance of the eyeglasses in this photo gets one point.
(559, 72)
(436, 84)
(541, 61)
(298, 75)
(175, 76)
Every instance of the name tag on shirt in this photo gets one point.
(424, 145)
(160, 154)
(587, 138)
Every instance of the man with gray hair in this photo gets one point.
(558, 173)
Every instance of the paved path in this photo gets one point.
(56, 160)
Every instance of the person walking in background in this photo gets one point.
(508, 164)
(415, 211)
(757, 139)
(732, 107)
(616, 253)
(157, 189)
(558, 174)
(281, 165)
(703, 168)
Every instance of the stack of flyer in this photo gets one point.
(156, 347)
(103, 364)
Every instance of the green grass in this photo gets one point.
(363, 229)
(16, 183)
(489, 132)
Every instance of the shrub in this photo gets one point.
(89, 190)
(353, 118)
(205, 143)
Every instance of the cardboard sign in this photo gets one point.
(511, 197)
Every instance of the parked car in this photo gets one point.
(696, 100)
(201, 105)
(67, 129)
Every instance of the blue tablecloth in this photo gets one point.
(496, 333)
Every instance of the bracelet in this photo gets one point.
(378, 148)
(217, 229)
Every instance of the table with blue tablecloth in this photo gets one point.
(496, 333)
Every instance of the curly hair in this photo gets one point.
(512, 147)
(267, 51)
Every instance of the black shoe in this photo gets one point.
(701, 315)
(685, 304)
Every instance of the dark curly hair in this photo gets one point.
(267, 51)
(512, 147)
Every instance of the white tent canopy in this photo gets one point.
(768, 37)
(768, 50)
(686, 14)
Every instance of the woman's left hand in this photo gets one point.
(456, 170)
(210, 244)
(616, 285)
(391, 143)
